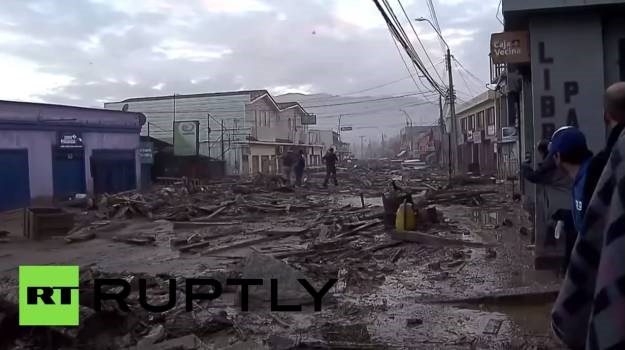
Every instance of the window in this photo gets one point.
(471, 122)
(490, 116)
(289, 124)
(463, 124)
(480, 120)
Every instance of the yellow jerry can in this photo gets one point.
(405, 219)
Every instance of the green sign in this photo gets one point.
(48, 295)
(186, 138)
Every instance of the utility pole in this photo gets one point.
(174, 107)
(442, 121)
(452, 106)
(452, 113)
(208, 134)
(362, 152)
(339, 130)
(223, 151)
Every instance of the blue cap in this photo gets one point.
(567, 139)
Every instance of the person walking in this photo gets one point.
(330, 160)
(288, 161)
(589, 309)
(300, 165)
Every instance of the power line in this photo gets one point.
(464, 80)
(480, 81)
(420, 42)
(397, 33)
(366, 101)
(408, 68)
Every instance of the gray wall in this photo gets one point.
(567, 79)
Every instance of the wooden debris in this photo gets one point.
(424, 238)
(360, 228)
(208, 217)
(178, 225)
(242, 244)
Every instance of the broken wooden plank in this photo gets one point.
(360, 228)
(212, 215)
(285, 231)
(241, 244)
(515, 296)
(424, 238)
(199, 224)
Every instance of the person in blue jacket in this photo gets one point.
(571, 154)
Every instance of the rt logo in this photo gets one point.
(48, 295)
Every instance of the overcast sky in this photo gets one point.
(88, 52)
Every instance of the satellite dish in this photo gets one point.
(125, 108)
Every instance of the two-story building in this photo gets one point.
(477, 139)
(248, 130)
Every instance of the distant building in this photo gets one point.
(249, 130)
(419, 141)
(477, 142)
(52, 152)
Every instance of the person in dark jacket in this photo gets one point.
(330, 160)
(299, 168)
(288, 162)
(614, 111)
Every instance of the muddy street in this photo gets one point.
(463, 279)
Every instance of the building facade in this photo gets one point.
(558, 58)
(52, 152)
(419, 141)
(248, 130)
(477, 141)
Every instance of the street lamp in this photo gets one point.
(452, 107)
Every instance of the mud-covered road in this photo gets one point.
(390, 294)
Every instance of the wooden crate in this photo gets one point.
(42, 223)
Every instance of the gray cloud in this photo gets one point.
(112, 53)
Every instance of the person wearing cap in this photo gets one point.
(588, 313)
(571, 154)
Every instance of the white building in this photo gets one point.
(249, 130)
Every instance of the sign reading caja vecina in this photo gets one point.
(186, 138)
(510, 47)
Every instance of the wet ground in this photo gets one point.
(398, 306)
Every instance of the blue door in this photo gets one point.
(68, 172)
(14, 179)
(113, 171)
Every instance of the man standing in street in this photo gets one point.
(288, 161)
(300, 165)
(330, 160)
(589, 310)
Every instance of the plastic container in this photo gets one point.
(405, 219)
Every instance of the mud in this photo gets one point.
(384, 299)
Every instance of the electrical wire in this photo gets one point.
(478, 80)
(420, 42)
(397, 33)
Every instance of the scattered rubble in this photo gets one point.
(263, 228)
